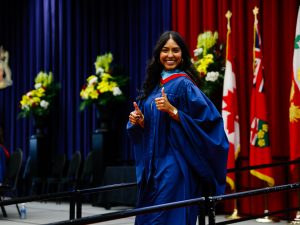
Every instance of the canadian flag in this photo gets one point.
(230, 112)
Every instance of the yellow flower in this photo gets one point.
(35, 101)
(25, 100)
(105, 76)
(44, 79)
(94, 94)
(39, 92)
(113, 84)
(84, 94)
(207, 40)
(202, 68)
(89, 89)
(209, 57)
(205, 62)
(104, 87)
(103, 61)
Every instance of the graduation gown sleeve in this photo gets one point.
(200, 137)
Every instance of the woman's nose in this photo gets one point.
(170, 53)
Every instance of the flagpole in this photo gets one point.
(228, 15)
(265, 219)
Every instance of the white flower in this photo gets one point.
(37, 85)
(117, 91)
(44, 104)
(198, 51)
(99, 70)
(212, 76)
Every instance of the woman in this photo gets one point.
(179, 141)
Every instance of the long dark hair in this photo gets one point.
(154, 67)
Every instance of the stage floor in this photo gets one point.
(51, 212)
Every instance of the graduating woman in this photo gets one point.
(178, 136)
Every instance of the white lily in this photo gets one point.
(44, 104)
(212, 76)
(117, 91)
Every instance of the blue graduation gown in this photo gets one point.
(178, 160)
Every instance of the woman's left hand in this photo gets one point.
(163, 104)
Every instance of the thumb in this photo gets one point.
(136, 107)
(163, 94)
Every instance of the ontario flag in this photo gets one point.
(295, 99)
(260, 151)
(230, 112)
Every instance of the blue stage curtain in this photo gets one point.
(65, 36)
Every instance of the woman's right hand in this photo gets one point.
(136, 117)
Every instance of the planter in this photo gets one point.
(39, 150)
(104, 141)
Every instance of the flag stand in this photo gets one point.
(235, 213)
(296, 220)
(267, 219)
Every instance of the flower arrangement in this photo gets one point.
(38, 101)
(104, 87)
(210, 62)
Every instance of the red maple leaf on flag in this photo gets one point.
(231, 109)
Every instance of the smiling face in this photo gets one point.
(170, 55)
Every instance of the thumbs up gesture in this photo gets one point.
(136, 117)
(162, 103)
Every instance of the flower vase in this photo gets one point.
(103, 141)
(103, 118)
(39, 149)
(40, 125)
